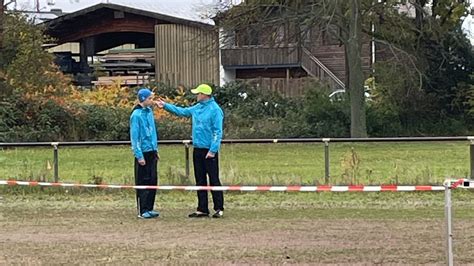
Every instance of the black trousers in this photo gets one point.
(207, 167)
(146, 175)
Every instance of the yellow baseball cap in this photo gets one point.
(203, 88)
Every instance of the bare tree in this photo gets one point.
(353, 48)
(346, 15)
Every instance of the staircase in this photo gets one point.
(317, 69)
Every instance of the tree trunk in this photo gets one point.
(1, 29)
(2, 78)
(434, 4)
(356, 75)
(419, 13)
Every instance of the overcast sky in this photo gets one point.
(73, 5)
(198, 10)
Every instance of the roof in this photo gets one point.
(143, 11)
(191, 10)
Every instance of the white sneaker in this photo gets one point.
(218, 214)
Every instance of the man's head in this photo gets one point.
(203, 92)
(145, 97)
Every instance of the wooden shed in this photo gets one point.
(185, 50)
(187, 55)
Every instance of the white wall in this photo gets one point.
(225, 75)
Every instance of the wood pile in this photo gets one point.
(130, 67)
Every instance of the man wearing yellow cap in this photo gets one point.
(207, 119)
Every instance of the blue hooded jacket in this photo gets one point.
(207, 118)
(143, 135)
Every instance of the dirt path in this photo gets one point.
(111, 234)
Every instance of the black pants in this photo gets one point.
(146, 175)
(207, 167)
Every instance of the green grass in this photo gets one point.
(76, 198)
(97, 226)
(276, 164)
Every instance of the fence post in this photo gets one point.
(326, 160)
(471, 139)
(56, 161)
(186, 155)
(448, 217)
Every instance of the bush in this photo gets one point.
(103, 123)
(250, 102)
(259, 113)
(174, 128)
(383, 122)
(29, 68)
(249, 113)
(29, 120)
(326, 118)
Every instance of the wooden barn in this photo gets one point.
(185, 50)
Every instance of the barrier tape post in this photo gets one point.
(449, 185)
(448, 218)
(186, 155)
(56, 161)
(471, 152)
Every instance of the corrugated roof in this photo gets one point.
(193, 10)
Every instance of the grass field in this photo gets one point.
(250, 164)
(95, 226)
(100, 227)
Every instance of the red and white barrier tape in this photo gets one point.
(456, 183)
(354, 188)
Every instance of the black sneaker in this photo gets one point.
(198, 215)
(218, 214)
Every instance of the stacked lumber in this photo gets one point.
(135, 80)
(129, 67)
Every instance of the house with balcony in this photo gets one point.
(276, 58)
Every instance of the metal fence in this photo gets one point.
(187, 144)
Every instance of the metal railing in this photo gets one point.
(187, 144)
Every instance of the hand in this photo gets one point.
(160, 103)
(210, 155)
(158, 156)
(141, 162)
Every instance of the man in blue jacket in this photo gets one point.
(144, 140)
(207, 118)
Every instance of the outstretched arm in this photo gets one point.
(176, 110)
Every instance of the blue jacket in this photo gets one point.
(143, 135)
(207, 119)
